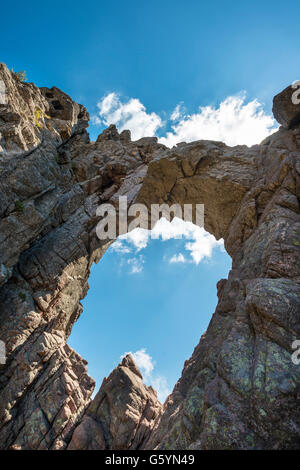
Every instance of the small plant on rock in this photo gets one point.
(19, 206)
(21, 75)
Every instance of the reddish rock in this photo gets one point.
(240, 388)
(122, 413)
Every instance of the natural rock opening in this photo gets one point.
(240, 388)
(152, 293)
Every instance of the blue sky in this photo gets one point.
(178, 70)
(153, 297)
(161, 51)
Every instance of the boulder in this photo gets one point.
(286, 106)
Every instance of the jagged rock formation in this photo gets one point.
(240, 389)
(122, 414)
(286, 106)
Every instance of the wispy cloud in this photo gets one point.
(177, 113)
(136, 264)
(120, 247)
(160, 384)
(179, 258)
(146, 365)
(235, 121)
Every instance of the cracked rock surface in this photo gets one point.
(240, 389)
(122, 414)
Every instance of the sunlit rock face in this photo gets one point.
(240, 389)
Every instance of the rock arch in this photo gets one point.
(240, 388)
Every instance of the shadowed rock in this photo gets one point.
(240, 388)
(286, 107)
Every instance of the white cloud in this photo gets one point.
(199, 243)
(136, 264)
(203, 245)
(95, 120)
(234, 121)
(128, 115)
(120, 247)
(178, 229)
(179, 258)
(137, 237)
(177, 113)
(146, 365)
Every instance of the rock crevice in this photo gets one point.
(240, 389)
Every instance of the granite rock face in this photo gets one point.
(240, 389)
(122, 415)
